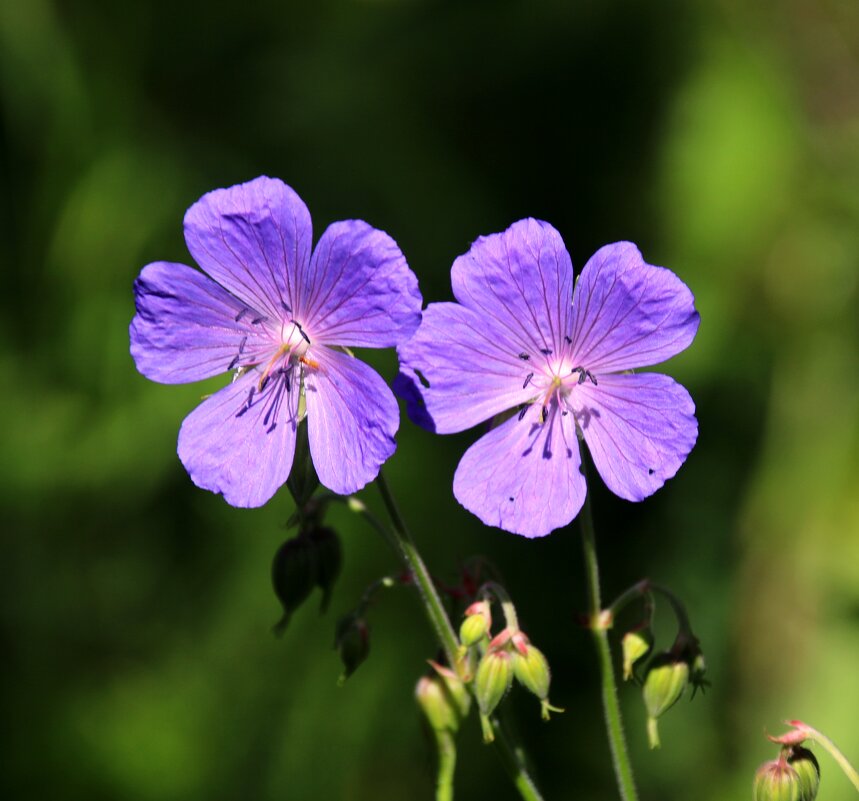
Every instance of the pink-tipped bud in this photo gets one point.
(443, 710)
(777, 781)
(493, 679)
(532, 671)
(455, 689)
(636, 644)
(477, 623)
(665, 682)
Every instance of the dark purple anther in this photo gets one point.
(242, 313)
(524, 357)
(527, 380)
(257, 320)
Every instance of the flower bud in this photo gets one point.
(531, 670)
(477, 623)
(433, 700)
(329, 560)
(636, 644)
(777, 781)
(493, 679)
(455, 688)
(806, 766)
(443, 698)
(293, 572)
(665, 682)
(352, 640)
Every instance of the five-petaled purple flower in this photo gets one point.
(279, 319)
(515, 341)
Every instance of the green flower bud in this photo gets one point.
(493, 679)
(478, 621)
(777, 781)
(636, 645)
(806, 766)
(532, 671)
(455, 688)
(329, 560)
(293, 573)
(665, 682)
(436, 705)
(352, 640)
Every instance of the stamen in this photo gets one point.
(527, 380)
(242, 345)
(301, 331)
(242, 313)
(522, 413)
(524, 357)
(544, 414)
(584, 375)
(314, 365)
(568, 340)
(285, 306)
(261, 319)
(546, 351)
(234, 362)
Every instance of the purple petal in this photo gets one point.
(352, 418)
(524, 476)
(240, 442)
(407, 385)
(520, 281)
(358, 290)
(471, 364)
(628, 313)
(253, 239)
(186, 326)
(639, 429)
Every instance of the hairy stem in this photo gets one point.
(401, 540)
(598, 622)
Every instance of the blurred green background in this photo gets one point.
(722, 137)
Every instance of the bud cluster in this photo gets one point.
(501, 659)
(793, 776)
(667, 673)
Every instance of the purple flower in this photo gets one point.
(278, 318)
(513, 341)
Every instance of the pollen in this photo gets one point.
(308, 362)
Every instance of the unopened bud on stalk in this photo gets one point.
(667, 677)
(433, 700)
(636, 644)
(777, 781)
(531, 670)
(352, 640)
(805, 764)
(477, 623)
(455, 688)
(329, 560)
(493, 679)
(293, 572)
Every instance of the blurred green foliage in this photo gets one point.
(722, 137)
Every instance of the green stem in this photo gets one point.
(400, 538)
(446, 764)
(598, 625)
(405, 545)
(507, 607)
